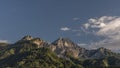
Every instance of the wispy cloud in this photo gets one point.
(65, 28)
(76, 19)
(76, 30)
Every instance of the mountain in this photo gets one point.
(102, 52)
(28, 53)
(62, 53)
(30, 40)
(65, 47)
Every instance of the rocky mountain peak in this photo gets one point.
(64, 42)
(102, 52)
(64, 47)
(101, 49)
(28, 37)
(31, 40)
(38, 41)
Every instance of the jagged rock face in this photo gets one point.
(63, 42)
(28, 37)
(64, 46)
(37, 41)
(99, 53)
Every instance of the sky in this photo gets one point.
(90, 23)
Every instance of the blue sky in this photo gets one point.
(46, 18)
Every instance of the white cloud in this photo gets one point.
(76, 19)
(101, 22)
(111, 28)
(92, 20)
(86, 25)
(75, 30)
(65, 29)
(107, 27)
(82, 44)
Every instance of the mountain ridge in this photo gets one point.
(65, 45)
(60, 51)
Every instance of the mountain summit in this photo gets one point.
(31, 40)
(28, 37)
(66, 47)
(64, 42)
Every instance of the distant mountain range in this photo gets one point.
(30, 52)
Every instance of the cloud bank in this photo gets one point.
(65, 29)
(107, 27)
(76, 19)
(98, 32)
